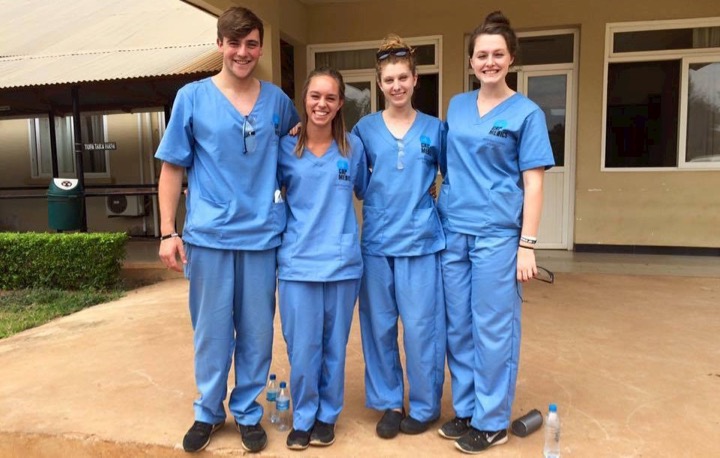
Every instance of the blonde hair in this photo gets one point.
(393, 42)
(339, 132)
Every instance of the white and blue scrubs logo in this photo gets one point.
(276, 123)
(425, 145)
(498, 129)
(343, 168)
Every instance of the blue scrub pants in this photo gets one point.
(316, 319)
(409, 288)
(232, 305)
(483, 303)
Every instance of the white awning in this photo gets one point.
(68, 41)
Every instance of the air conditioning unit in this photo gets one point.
(121, 205)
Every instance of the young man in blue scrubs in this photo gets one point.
(224, 131)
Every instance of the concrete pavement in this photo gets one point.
(632, 363)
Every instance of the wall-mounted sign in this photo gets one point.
(99, 146)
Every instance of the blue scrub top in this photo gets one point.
(399, 215)
(231, 192)
(321, 241)
(483, 190)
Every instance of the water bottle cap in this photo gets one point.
(282, 385)
(552, 408)
(272, 376)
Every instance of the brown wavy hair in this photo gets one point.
(339, 132)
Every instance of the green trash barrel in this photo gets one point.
(65, 204)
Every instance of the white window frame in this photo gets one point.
(36, 151)
(683, 113)
(434, 69)
(685, 57)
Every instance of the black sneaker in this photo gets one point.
(298, 439)
(455, 428)
(198, 436)
(477, 441)
(254, 438)
(389, 425)
(323, 434)
(409, 425)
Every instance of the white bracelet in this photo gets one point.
(528, 239)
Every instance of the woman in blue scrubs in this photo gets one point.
(401, 241)
(490, 203)
(319, 260)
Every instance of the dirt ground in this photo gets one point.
(633, 363)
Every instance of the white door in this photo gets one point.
(552, 91)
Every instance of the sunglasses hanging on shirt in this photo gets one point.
(249, 140)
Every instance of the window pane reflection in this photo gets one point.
(546, 49)
(365, 58)
(549, 92)
(703, 129)
(357, 102)
(642, 113)
(662, 40)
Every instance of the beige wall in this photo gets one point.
(125, 168)
(636, 208)
(624, 208)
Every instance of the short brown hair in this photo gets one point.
(237, 22)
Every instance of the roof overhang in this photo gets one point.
(122, 55)
(117, 95)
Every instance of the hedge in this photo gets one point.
(75, 261)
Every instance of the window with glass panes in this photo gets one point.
(357, 60)
(662, 103)
(95, 163)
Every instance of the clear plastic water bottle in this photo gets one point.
(271, 392)
(552, 433)
(283, 408)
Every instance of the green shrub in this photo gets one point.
(76, 261)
